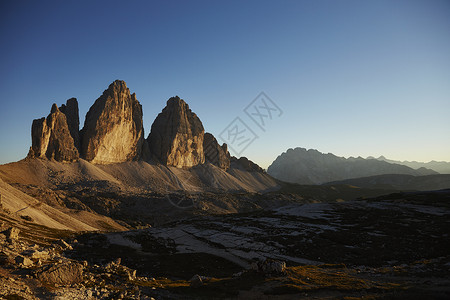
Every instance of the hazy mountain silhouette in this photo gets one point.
(442, 167)
(313, 167)
(399, 182)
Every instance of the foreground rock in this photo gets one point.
(113, 130)
(269, 267)
(61, 274)
(52, 139)
(176, 137)
(11, 233)
(214, 153)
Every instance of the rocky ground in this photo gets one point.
(388, 247)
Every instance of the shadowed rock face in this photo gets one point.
(214, 153)
(51, 138)
(304, 166)
(70, 109)
(245, 164)
(176, 137)
(113, 130)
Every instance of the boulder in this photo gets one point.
(113, 130)
(36, 254)
(63, 245)
(176, 137)
(12, 233)
(61, 274)
(196, 281)
(214, 153)
(116, 268)
(269, 267)
(51, 138)
(24, 261)
(5, 258)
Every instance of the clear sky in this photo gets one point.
(355, 78)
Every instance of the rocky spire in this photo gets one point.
(214, 153)
(176, 137)
(52, 139)
(113, 131)
(70, 109)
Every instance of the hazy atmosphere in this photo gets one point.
(355, 78)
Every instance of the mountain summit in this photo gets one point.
(51, 137)
(176, 137)
(113, 131)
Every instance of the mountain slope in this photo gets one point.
(400, 182)
(22, 206)
(134, 175)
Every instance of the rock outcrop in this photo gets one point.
(113, 131)
(70, 109)
(245, 164)
(214, 153)
(52, 139)
(176, 137)
(61, 274)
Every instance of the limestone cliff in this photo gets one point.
(176, 137)
(70, 109)
(113, 131)
(51, 138)
(214, 153)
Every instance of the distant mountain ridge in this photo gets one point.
(399, 182)
(442, 167)
(304, 166)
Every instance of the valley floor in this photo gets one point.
(390, 247)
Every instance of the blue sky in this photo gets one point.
(355, 78)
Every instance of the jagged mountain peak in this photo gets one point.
(113, 129)
(176, 136)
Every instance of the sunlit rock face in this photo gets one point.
(214, 153)
(51, 138)
(176, 137)
(113, 131)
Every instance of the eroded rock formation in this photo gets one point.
(70, 109)
(214, 153)
(51, 138)
(113, 131)
(176, 137)
(245, 164)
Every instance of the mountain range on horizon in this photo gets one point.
(442, 167)
(304, 166)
